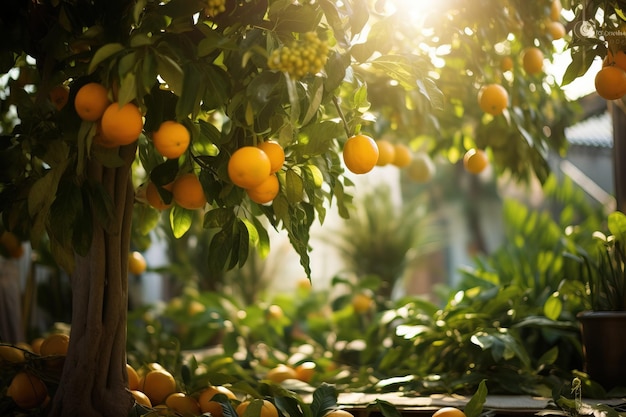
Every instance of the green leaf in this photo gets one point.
(335, 20)
(213, 41)
(252, 232)
(189, 102)
(294, 187)
(429, 89)
(220, 249)
(138, 10)
(171, 72)
(102, 54)
(316, 91)
(385, 407)
(180, 220)
(324, 400)
(288, 16)
(128, 88)
(294, 99)
(146, 218)
(217, 90)
(617, 226)
(553, 307)
(263, 244)
(474, 406)
(581, 62)
(164, 173)
(101, 204)
(549, 357)
(218, 217)
(247, 235)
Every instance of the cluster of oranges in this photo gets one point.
(361, 154)
(186, 191)
(303, 372)
(118, 124)
(610, 81)
(493, 99)
(27, 388)
(254, 169)
(157, 389)
(300, 58)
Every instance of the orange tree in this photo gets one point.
(234, 74)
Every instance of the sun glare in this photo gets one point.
(413, 9)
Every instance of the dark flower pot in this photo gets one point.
(604, 346)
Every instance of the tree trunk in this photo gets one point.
(94, 375)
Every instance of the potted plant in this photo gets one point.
(603, 320)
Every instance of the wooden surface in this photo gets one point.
(500, 405)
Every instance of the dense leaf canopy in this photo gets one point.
(394, 69)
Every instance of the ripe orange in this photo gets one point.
(360, 154)
(249, 166)
(448, 412)
(27, 390)
(619, 59)
(267, 409)
(305, 371)
(171, 139)
(121, 125)
(555, 10)
(304, 285)
(11, 354)
(274, 312)
(183, 404)
(275, 152)
(386, 152)
(91, 101)
(532, 60)
(35, 345)
(154, 198)
(475, 161)
(133, 377)
(136, 263)
(402, 156)
(506, 64)
(55, 345)
(141, 398)
(266, 191)
(206, 399)
(556, 30)
(187, 192)
(59, 95)
(157, 384)
(610, 82)
(421, 169)
(280, 373)
(339, 413)
(362, 302)
(212, 407)
(493, 99)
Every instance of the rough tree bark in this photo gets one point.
(94, 376)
